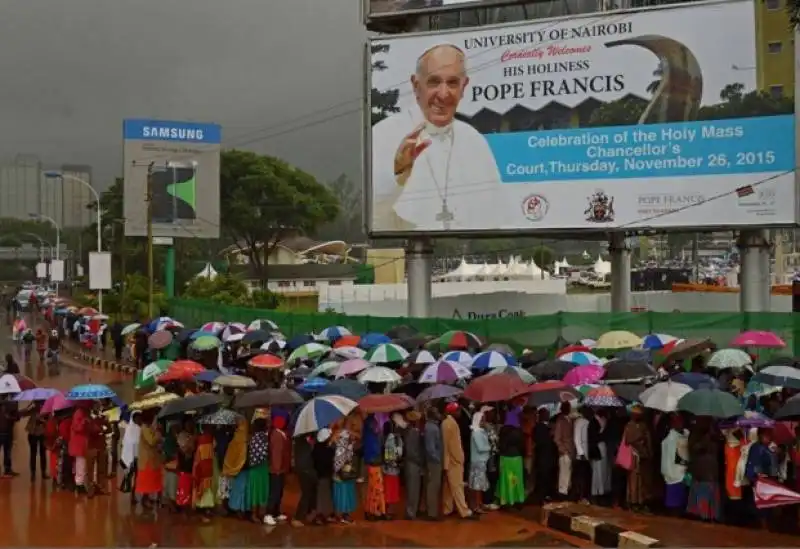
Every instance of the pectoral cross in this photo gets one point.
(445, 216)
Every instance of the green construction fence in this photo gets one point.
(536, 331)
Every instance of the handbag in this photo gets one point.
(625, 456)
(348, 472)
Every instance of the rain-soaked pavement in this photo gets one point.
(33, 516)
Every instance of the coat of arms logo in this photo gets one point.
(600, 208)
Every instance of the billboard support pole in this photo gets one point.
(149, 200)
(419, 265)
(754, 274)
(169, 272)
(620, 273)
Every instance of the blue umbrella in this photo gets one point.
(200, 333)
(373, 340)
(208, 376)
(695, 381)
(321, 412)
(153, 326)
(90, 392)
(299, 341)
(349, 388)
(313, 385)
(333, 333)
(61, 311)
(492, 359)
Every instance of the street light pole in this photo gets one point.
(62, 177)
(58, 234)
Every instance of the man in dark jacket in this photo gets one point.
(8, 417)
(413, 463)
(434, 457)
(117, 339)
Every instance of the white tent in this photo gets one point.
(208, 272)
(602, 267)
(462, 272)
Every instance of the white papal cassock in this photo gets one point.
(454, 185)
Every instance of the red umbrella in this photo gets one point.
(25, 383)
(393, 402)
(347, 341)
(496, 388)
(266, 360)
(181, 370)
(573, 349)
(87, 311)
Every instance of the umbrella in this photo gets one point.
(273, 346)
(758, 338)
(444, 371)
(750, 420)
(635, 355)
(25, 383)
(551, 392)
(730, 358)
(760, 389)
(551, 369)
(147, 376)
(159, 340)
(267, 397)
(313, 385)
(603, 397)
(630, 392)
(524, 375)
(351, 367)
(130, 328)
(347, 341)
(495, 388)
(781, 360)
(208, 376)
(414, 343)
(321, 412)
(256, 336)
(387, 403)
(439, 391)
(502, 348)
(56, 403)
(618, 339)
(368, 341)
(87, 311)
(197, 334)
(790, 409)
(213, 327)
(695, 380)
(232, 338)
(619, 371)
(386, 353)
(587, 342)
(768, 494)
(185, 334)
(664, 396)
(9, 385)
(379, 374)
(456, 339)
(532, 358)
(421, 357)
(710, 402)
(299, 340)
(688, 348)
(584, 375)
(206, 343)
(235, 382)
(461, 357)
(327, 368)
(223, 416)
(309, 350)
(233, 330)
(332, 333)
(36, 394)
(153, 400)
(349, 388)
(191, 403)
(782, 376)
(573, 349)
(263, 324)
(300, 373)
(90, 391)
(181, 370)
(266, 361)
(401, 332)
(657, 341)
(348, 351)
(580, 358)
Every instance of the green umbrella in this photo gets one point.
(327, 368)
(205, 343)
(711, 402)
(525, 376)
(309, 350)
(147, 376)
(386, 353)
(130, 328)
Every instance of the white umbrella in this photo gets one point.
(379, 374)
(664, 396)
(233, 338)
(730, 358)
(9, 385)
(349, 352)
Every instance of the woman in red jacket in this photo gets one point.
(64, 473)
(79, 443)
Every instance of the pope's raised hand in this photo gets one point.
(407, 153)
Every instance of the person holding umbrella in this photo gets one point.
(453, 465)
(149, 474)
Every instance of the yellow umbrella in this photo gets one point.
(153, 400)
(113, 415)
(618, 339)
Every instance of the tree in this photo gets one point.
(264, 200)
(228, 290)
(793, 7)
(737, 104)
(348, 226)
(383, 103)
(622, 112)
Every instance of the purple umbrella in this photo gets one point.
(40, 393)
(750, 420)
(439, 391)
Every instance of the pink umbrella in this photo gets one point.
(584, 375)
(758, 338)
(352, 366)
(56, 403)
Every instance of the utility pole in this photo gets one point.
(150, 274)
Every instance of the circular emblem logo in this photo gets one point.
(535, 207)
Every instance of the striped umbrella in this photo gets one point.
(351, 367)
(462, 357)
(657, 341)
(309, 350)
(348, 352)
(379, 374)
(332, 333)
(444, 371)
(492, 359)
(232, 329)
(386, 353)
(146, 377)
(456, 339)
(212, 327)
(321, 412)
(327, 368)
(263, 324)
(581, 358)
(422, 357)
(525, 376)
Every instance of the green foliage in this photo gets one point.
(228, 290)
(130, 304)
(348, 225)
(383, 103)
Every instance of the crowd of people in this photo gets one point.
(447, 455)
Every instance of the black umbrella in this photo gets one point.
(532, 358)
(267, 397)
(627, 370)
(414, 343)
(790, 410)
(256, 336)
(629, 392)
(551, 369)
(185, 334)
(190, 403)
(348, 388)
(402, 332)
(781, 360)
(301, 372)
(275, 347)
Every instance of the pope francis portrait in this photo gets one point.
(431, 172)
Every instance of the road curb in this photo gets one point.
(101, 363)
(559, 517)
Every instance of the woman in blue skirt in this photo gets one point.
(234, 470)
(344, 477)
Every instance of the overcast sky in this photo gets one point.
(71, 70)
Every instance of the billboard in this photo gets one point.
(183, 160)
(388, 8)
(630, 120)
